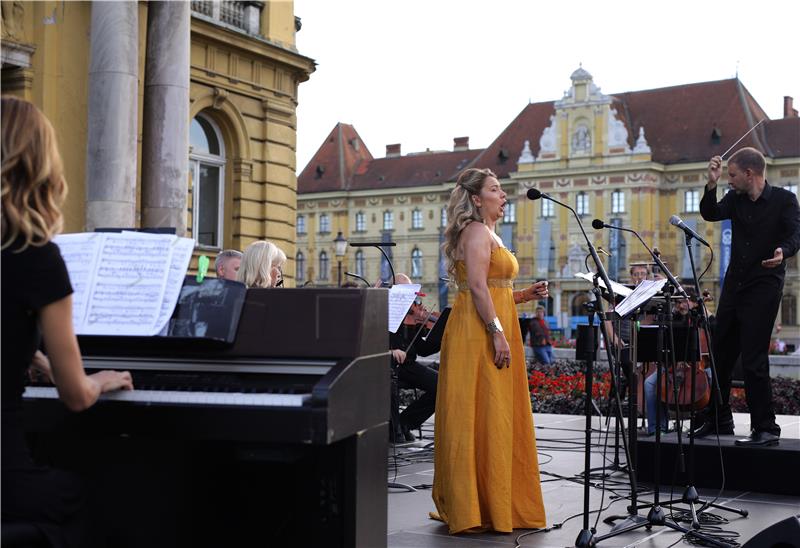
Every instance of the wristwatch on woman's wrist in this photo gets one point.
(494, 326)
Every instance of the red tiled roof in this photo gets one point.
(342, 155)
(678, 123)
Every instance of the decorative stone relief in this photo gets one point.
(617, 132)
(549, 138)
(641, 143)
(526, 157)
(581, 140)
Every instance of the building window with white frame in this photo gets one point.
(416, 263)
(300, 266)
(582, 203)
(388, 220)
(207, 168)
(323, 266)
(361, 222)
(443, 217)
(416, 219)
(361, 268)
(548, 209)
(691, 201)
(510, 213)
(324, 223)
(618, 201)
(301, 225)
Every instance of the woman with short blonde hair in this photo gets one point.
(261, 264)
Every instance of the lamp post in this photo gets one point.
(340, 246)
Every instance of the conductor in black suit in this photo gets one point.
(765, 221)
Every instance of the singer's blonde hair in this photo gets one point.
(33, 185)
(461, 211)
(257, 262)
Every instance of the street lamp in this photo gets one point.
(340, 245)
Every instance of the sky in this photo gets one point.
(421, 72)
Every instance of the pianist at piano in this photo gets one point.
(37, 304)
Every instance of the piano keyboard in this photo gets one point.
(184, 397)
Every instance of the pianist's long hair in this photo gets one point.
(33, 185)
(461, 211)
(257, 262)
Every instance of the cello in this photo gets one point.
(689, 375)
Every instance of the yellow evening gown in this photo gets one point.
(486, 474)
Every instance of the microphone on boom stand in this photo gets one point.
(586, 537)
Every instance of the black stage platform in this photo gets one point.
(766, 469)
(560, 446)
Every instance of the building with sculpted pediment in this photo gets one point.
(632, 159)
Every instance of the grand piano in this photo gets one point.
(276, 436)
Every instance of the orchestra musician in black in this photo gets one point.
(406, 344)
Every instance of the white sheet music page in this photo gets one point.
(401, 296)
(618, 288)
(643, 292)
(129, 285)
(180, 256)
(80, 253)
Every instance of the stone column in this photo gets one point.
(165, 132)
(112, 113)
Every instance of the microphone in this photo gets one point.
(372, 244)
(676, 221)
(597, 224)
(535, 194)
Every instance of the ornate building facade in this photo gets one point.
(179, 114)
(632, 159)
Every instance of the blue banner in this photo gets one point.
(686, 267)
(442, 273)
(726, 236)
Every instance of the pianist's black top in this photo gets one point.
(31, 279)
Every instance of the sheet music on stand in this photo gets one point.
(401, 296)
(646, 290)
(618, 288)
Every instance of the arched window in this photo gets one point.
(789, 310)
(301, 225)
(416, 263)
(361, 222)
(323, 266)
(360, 265)
(207, 168)
(300, 266)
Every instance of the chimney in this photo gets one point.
(460, 143)
(393, 151)
(788, 110)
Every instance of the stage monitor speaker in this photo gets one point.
(784, 534)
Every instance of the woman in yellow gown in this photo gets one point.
(486, 469)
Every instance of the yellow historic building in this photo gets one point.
(178, 114)
(631, 159)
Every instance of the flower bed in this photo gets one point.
(785, 397)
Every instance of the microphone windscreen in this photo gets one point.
(597, 224)
(675, 220)
(534, 194)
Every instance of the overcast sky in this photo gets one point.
(420, 72)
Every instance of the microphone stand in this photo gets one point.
(690, 495)
(380, 247)
(359, 277)
(656, 515)
(586, 536)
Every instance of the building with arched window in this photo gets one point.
(226, 102)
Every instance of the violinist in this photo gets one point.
(406, 344)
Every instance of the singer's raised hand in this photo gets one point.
(540, 290)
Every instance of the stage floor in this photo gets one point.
(560, 441)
